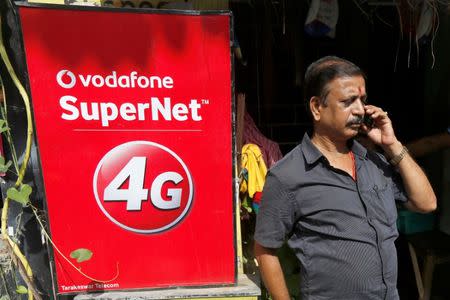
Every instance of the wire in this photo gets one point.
(361, 9)
(436, 15)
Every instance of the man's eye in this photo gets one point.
(348, 102)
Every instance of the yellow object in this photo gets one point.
(237, 216)
(252, 160)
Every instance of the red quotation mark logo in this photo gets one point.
(143, 187)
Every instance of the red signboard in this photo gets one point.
(134, 127)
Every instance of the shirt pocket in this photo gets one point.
(382, 198)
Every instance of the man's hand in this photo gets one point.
(420, 193)
(382, 132)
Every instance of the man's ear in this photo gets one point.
(315, 107)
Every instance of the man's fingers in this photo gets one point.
(379, 114)
(375, 112)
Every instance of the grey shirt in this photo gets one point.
(341, 230)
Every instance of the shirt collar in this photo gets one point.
(310, 151)
(358, 149)
(312, 154)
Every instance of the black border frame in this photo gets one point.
(235, 178)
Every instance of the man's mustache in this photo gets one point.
(357, 120)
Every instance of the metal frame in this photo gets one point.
(235, 190)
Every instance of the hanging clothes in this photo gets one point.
(253, 162)
(252, 177)
(322, 18)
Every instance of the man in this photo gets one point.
(333, 200)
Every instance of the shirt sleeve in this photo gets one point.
(276, 216)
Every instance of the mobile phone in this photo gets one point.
(368, 121)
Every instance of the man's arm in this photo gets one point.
(418, 189)
(271, 272)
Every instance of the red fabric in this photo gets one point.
(257, 197)
(270, 149)
(353, 166)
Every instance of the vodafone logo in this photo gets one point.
(66, 79)
(143, 187)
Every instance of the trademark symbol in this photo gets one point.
(205, 101)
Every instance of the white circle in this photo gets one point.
(62, 83)
(125, 145)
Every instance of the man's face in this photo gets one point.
(341, 115)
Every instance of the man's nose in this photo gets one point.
(358, 107)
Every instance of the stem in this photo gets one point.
(15, 249)
(4, 282)
(8, 133)
(65, 258)
(24, 269)
(26, 100)
(13, 172)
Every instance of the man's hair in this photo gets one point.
(321, 72)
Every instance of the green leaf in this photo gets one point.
(5, 297)
(22, 196)
(81, 254)
(3, 126)
(21, 289)
(4, 168)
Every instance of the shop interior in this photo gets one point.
(407, 75)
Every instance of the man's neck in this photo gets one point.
(338, 154)
(328, 146)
